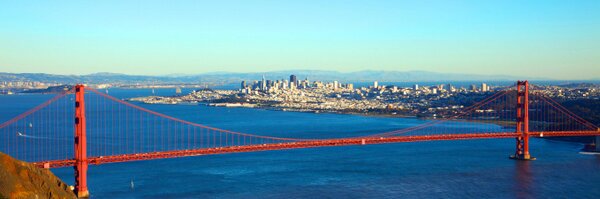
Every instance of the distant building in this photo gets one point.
(473, 87)
(269, 84)
(416, 87)
(284, 84)
(484, 87)
(243, 85)
(293, 80)
(375, 84)
(263, 84)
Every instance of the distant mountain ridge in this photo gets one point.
(362, 76)
(231, 77)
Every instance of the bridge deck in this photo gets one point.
(303, 144)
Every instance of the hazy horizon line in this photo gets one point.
(302, 70)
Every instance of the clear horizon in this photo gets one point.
(545, 39)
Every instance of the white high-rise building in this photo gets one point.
(285, 84)
(263, 84)
(416, 87)
(484, 87)
(375, 84)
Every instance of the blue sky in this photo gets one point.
(555, 39)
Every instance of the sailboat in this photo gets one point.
(153, 91)
(106, 91)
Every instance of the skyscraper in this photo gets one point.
(269, 84)
(375, 84)
(451, 88)
(263, 84)
(307, 82)
(293, 79)
(484, 87)
(243, 84)
(416, 87)
(285, 84)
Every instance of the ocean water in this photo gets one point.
(442, 169)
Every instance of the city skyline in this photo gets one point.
(555, 39)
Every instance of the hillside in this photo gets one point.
(23, 180)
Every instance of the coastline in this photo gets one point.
(504, 124)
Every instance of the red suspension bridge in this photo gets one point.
(108, 130)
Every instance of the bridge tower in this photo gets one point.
(81, 162)
(522, 128)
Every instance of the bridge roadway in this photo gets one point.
(303, 144)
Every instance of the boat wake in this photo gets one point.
(589, 153)
(29, 136)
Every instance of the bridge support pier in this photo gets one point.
(597, 149)
(522, 152)
(81, 162)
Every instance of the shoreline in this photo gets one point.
(503, 124)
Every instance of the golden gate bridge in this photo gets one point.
(83, 126)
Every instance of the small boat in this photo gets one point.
(132, 186)
(20, 134)
(106, 91)
(152, 91)
(541, 135)
(30, 125)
